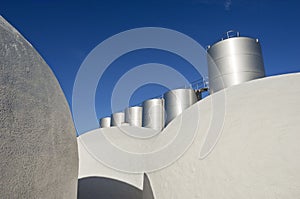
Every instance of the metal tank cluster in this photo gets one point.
(231, 61)
(154, 113)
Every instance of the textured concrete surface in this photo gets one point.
(257, 155)
(38, 149)
(89, 167)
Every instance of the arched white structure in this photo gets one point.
(257, 155)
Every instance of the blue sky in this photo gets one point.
(64, 32)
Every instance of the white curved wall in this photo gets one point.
(257, 155)
(89, 167)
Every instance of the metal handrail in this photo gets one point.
(231, 33)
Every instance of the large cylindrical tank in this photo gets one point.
(133, 116)
(153, 114)
(176, 101)
(105, 122)
(233, 61)
(117, 119)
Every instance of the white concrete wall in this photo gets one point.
(89, 166)
(257, 154)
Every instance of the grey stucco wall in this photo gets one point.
(38, 149)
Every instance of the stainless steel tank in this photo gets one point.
(153, 114)
(117, 119)
(105, 122)
(233, 61)
(176, 101)
(133, 116)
